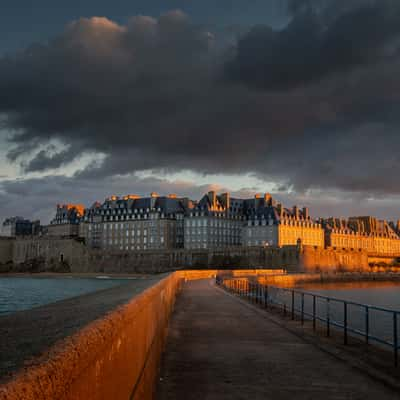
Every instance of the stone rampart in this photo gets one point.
(115, 357)
(69, 255)
(50, 254)
(6, 250)
(317, 259)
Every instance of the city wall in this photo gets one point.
(6, 250)
(69, 255)
(317, 259)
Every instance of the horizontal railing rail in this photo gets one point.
(336, 312)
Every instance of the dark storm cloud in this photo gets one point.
(308, 106)
(50, 158)
(313, 46)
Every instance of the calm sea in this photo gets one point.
(20, 293)
(379, 323)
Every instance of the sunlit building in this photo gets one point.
(135, 223)
(270, 224)
(367, 233)
(66, 221)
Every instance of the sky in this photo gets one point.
(298, 98)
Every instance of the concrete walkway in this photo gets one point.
(220, 348)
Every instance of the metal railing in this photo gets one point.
(347, 316)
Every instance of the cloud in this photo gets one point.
(36, 198)
(310, 106)
(312, 47)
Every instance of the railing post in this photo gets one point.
(266, 297)
(313, 312)
(292, 304)
(366, 324)
(302, 308)
(328, 317)
(395, 339)
(345, 322)
(258, 294)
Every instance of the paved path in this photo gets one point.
(220, 348)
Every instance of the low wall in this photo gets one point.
(115, 357)
(212, 273)
(293, 280)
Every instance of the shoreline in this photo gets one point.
(77, 275)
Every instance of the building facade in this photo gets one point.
(214, 222)
(132, 223)
(19, 226)
(66, 221)
(270, 224)
(367, 233)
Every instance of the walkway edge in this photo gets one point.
(328, 348)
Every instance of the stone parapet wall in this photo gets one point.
(115, 357)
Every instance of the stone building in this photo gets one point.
(260, 227)
(66, 221)
(270, 224)
(214, 222)
(19, 226)
(132, 223)
(367, 233)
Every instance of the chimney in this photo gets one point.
(306, 214)
(296, 212)
(267, 199)
(213, 199)
(226, 199)
(153, 199)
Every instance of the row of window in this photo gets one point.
(133, 240)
